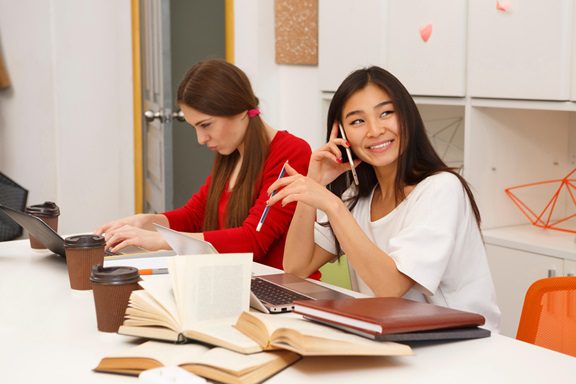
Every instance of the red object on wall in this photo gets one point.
(545, 218)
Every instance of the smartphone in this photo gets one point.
(348, 155)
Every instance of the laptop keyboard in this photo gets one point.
(274, 294)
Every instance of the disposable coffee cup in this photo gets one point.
(49, 213)
(112, 287)
(82, 252)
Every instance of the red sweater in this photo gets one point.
(268, 244)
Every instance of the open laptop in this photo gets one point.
(268, 293)
(45, 234)
(276, 293)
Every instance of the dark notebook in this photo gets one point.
(394, 319)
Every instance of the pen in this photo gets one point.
(259, 226)
(156, 271)
(349, 153)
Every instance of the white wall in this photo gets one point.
(289, 94)
(66, 123)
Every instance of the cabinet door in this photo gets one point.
(573, 64)
(432, 67)
(569, 268)
(521, 51)
(513, 272)
(350, 36)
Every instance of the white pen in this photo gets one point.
(349, 154)
(259, 226)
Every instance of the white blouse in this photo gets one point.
(433, 237)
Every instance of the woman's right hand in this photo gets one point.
(326, 162)
(128, 235)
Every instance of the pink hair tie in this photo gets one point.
(253, 112)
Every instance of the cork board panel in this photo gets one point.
(296, 28)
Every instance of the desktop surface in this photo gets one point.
(49, 334)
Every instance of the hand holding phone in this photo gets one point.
(349, 155)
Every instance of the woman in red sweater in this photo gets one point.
(218, 102)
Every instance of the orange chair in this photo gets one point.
(549, 314)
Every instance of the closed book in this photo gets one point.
(386, 315)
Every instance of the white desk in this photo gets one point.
(48, 334)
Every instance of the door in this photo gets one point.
(157, 105)
(174, 35)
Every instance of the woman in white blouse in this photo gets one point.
(410, 228)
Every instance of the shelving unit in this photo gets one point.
(515, 114)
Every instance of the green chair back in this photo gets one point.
(336, 273)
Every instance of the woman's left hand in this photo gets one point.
(299, 188)
(129, 235)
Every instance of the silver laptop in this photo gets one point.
(276, 293)
(47, 236)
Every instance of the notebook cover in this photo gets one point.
(392, 314)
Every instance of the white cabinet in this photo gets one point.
(436, 66)
(512, 144)
(570, 267)
(445, 128)
(513, 272)
(522, 51)
(351, 35)
(573, 92)
(520, 255)
(508, 49)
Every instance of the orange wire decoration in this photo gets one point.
(544, 218)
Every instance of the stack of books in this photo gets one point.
(394, 319)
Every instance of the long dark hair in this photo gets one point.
(417, 158)
(218, 88)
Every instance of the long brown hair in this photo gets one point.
(218, 88)
(417, 159)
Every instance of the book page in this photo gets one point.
(144, 310)
(212, 287)
(274, 323)
(160, 289)
(165, 353)
(183, 244)
(308, 338)
(236, 362)
(222, 333)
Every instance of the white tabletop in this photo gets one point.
(48, 334)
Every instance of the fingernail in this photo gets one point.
(339, 160)
(347, 143)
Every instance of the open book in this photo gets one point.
(213, 363)
(200, 299)
(276, 332)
